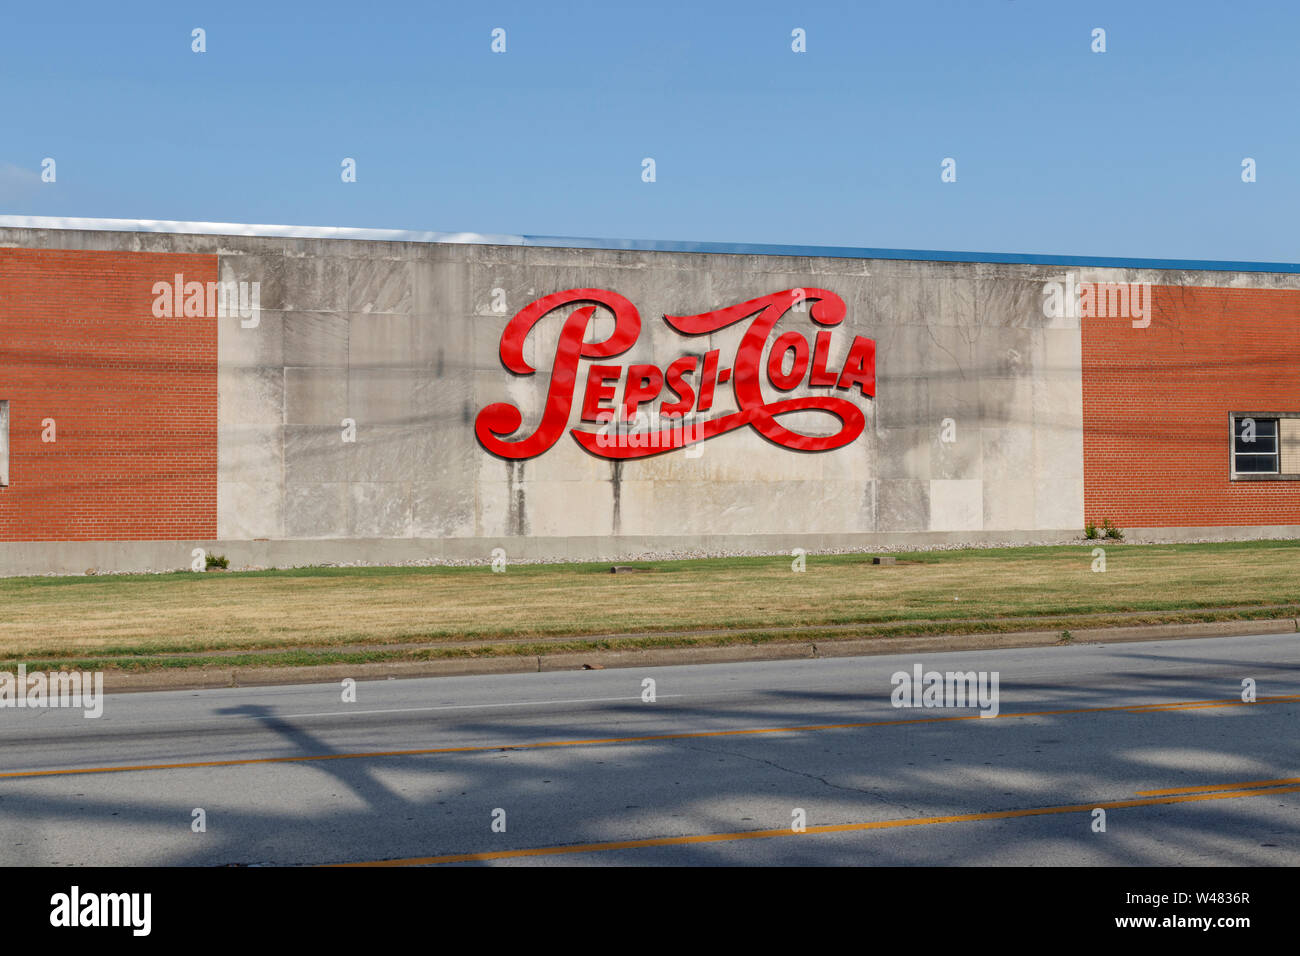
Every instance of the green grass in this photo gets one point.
(340, 615)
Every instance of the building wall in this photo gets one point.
(112, 411)
(402, 339)
(1157, 401)
(405, 342)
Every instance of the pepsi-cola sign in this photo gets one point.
(686, 389)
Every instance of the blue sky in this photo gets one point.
(1059, 150)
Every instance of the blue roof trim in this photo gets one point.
(917, 255)
(633, 245)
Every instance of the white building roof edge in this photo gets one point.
(247, 229)
(645, 245)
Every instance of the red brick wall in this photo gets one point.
(133, 397)
(1156, 438)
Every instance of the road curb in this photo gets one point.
(207, 678)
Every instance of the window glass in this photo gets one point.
(1256, 463)
(1254, 443)
(1262, 445)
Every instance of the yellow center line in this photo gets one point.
(604, 741)
(1198, 705)
(1218, 786)
(786, 832)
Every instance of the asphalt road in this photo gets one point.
(580, 764)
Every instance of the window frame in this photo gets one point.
(1279, 475)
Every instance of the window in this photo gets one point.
(4, 443)
(1254, 445)
(1266, 445)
